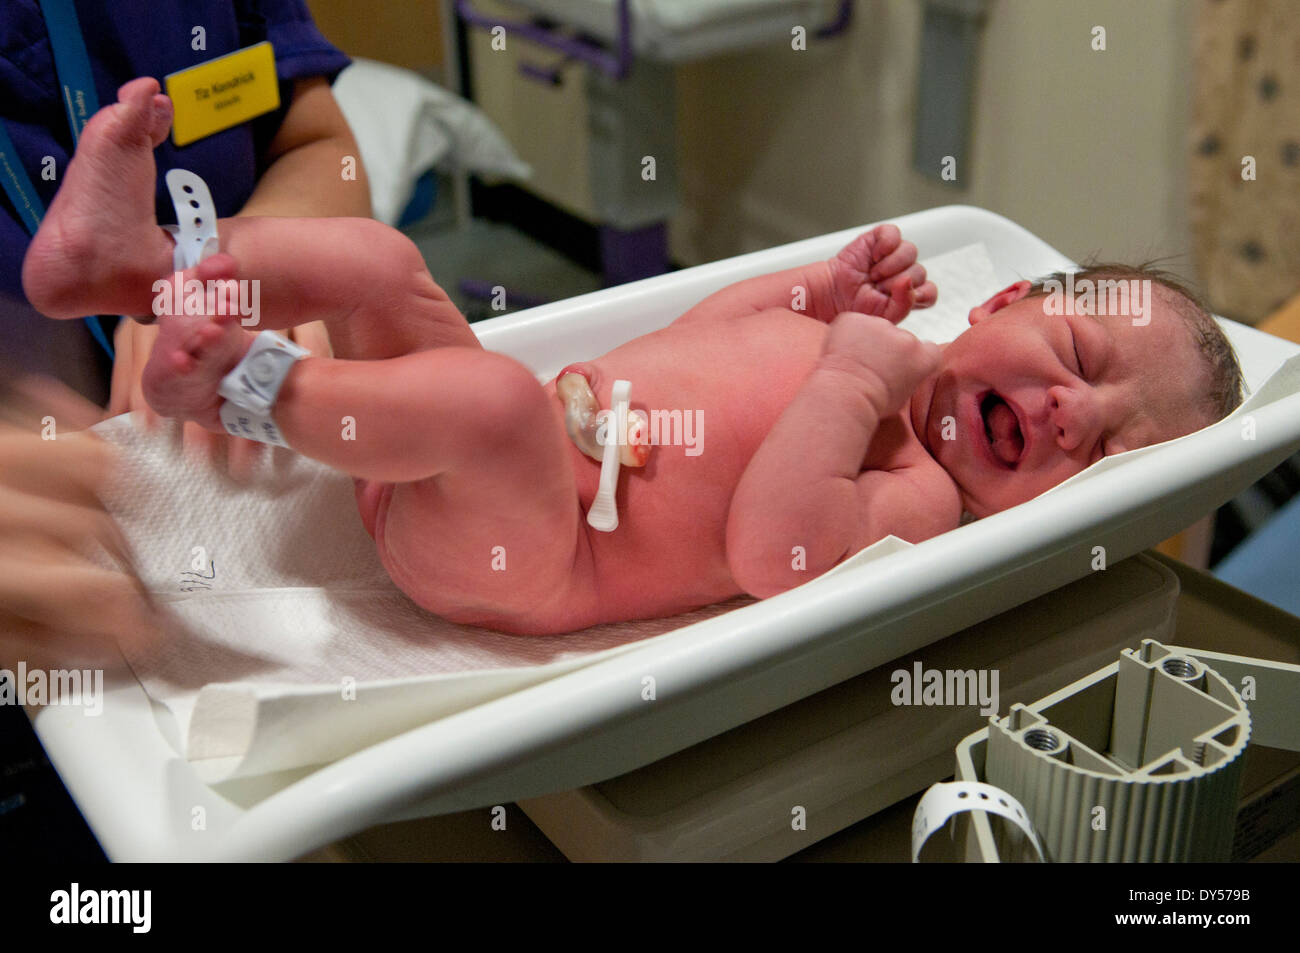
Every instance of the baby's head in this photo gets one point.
(1044, 384)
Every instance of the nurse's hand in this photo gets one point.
(132, 344)
(54, 598)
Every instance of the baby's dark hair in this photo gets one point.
(1224, 394)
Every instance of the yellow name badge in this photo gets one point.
(223, 92)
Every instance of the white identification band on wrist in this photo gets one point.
(256, 380)
(252, 426)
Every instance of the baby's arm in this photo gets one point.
(876, 273)
(804, 502)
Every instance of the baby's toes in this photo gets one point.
(205, 340)
(160, 121)
(218, 344)
(170, 363)
(180, 361)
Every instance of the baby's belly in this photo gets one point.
(712, 392)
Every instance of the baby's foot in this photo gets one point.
(99, 247)
(877, 273)
(194, 352)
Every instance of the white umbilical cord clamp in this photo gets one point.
(251, 388)
(603, 514)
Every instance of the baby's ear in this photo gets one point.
(1008, 295)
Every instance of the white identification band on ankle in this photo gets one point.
(252, 426)
(196, 230)
(256, 380)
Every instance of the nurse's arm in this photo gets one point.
(312, 161)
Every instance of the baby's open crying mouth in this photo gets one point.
(1002, 429)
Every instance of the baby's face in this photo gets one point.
(1030, 399)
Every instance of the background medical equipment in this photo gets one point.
(629, 90)
(1140, 761)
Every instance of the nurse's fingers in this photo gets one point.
(73, 526)
(41, 646)
(70, 468)
(241, 458)
(202, 446)
(143, 338)
(314, 337)
(119, 390)
(36, 403)
(54, 588)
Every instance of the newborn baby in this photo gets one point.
(826, 427)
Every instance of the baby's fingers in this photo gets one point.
(901, 299)
(898, 260)
(883, 240)
(925, 296)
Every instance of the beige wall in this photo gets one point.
(402, 32)
(1086, 149)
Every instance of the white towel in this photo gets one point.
(291, 646)
(404, 125)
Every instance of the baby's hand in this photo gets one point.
(887, 361)
(877, 273)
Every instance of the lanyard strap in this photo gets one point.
(72, 64)
(18, 185)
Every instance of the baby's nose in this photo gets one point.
(1072, 417)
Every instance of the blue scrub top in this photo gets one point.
(130, 38)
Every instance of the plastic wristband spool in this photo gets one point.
(942, 801)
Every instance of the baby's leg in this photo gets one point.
(99, 250)
(394, 419)
(366, 281)
(484, 525)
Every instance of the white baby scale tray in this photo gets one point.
(849, 751)
(142, 800)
